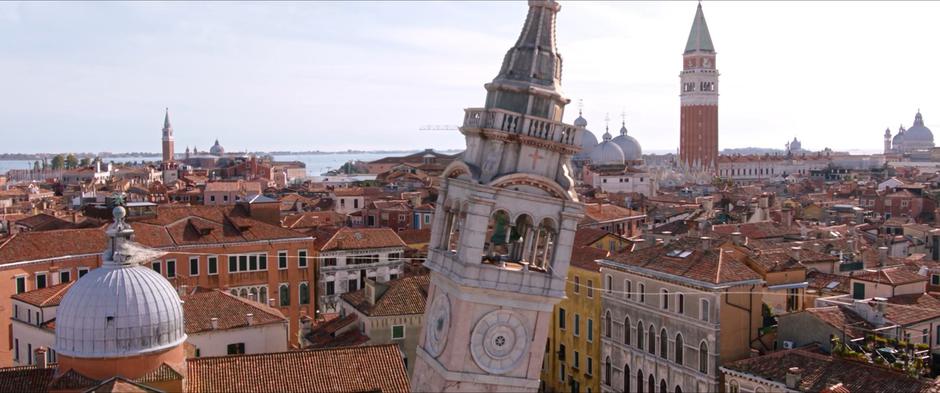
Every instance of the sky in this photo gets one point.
(331, 76)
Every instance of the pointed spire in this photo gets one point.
(918, 119)
(623, 122)
(166, 119)
(536, 41)
(699, 38)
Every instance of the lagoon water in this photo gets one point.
(316, 163)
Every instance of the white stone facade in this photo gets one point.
(344, 271)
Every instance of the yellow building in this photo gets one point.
(599, 238)
(572, 360)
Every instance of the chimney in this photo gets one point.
(271, 302)
(215, 323)
(763, 202)
(796, 252)
(667, 237)
(181, 290)
(882, 256)
(250, 319)
(737, 238)
(708, 204)
(786, 217)
(41, 361)
(794, 376)
(706, 243)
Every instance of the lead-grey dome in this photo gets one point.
(580, 121)
(122, 308)
(217, 149)
(918, 136)
(606, 153)
(629, 145)
(588, 140)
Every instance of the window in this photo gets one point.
(628, 288)
(608, 325)
(253, 262)
(924, 334)
(561, 372)
(577, 360)
(935, 279)
(236, 349)
(156, 267)
(607, 371)
(16, 346)
(793, 299)
(626, 330)
(663, 344)
(590, 288)
(170, 268)
(82, 271)
(609, 284)
(193, 266)
(651, 340)
(577, 284)
(213, 265)
(651, 384)
(733, 387)
(243, 263)
(577, 325)
(329, 261)
(65, 276)
(302, 258)
(232, 263)
(703, 358)
(353, 285)
(680, 303)
(304, 293)
(561, 318)
(211, 198)
(330, 287)
(639, 381)
(29, 353)
(639, 334)
(642, 288)
(679, 349)
(20, 284)
(590, 330)
(590, 366)
(284, 294)
(224, 198)
(703, 310)
(662, 386)
(664, 299)
(282, 260)
(398, 332)
(40, 280)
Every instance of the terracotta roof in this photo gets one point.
(824, 281)
(359, 238)
(48, 296)
(29, 246)
(712, 266)
(202, 304)
(404, 296)
(312, 219)
(603, 212)
(821, 371)
(584, 237)
(842, 319)
(911, 309)
(234, 186)
(347, 192)
(415, 236)
(378, 368)
(890, 276)
(121, 385)
(193, 225)
(586, 258)
(757, 230)
(44, 222)
(25, 379)
(337, 332)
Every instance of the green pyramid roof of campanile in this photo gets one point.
(699, 39)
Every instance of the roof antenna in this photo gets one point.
(580, 106)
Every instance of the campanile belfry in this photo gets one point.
(698, 129)
(504, 227)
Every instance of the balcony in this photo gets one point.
(515, 123)
(507, 276)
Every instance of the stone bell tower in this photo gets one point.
(504, 227)
(698, 128)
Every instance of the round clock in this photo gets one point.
(499, 340)
(438, 324)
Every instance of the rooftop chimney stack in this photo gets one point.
(706, 243)
(250, 319)
(794, 376)
(882, 256)
(41, 361)
(786, 217)
(215, 323)
(796, 252)
(737, 238)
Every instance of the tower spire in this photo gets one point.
(699, 38)
(166, 119)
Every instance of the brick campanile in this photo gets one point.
(698, 129)
(167, 138)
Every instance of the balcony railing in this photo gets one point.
(520, 124)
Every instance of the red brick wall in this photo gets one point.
(698, 134)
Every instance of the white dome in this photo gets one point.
(606, 153)
(117, 311)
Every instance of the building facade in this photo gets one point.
(352, 256)
(698, 130)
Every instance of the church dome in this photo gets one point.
(629, 145)
(898, 138)
(217, 149)
(918, 136)
(122, 308)
(588, 140)
(607, 153)
(580, 122)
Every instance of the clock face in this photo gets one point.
(499, 340)
(706, 63)
(437, 325)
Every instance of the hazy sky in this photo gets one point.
(368, 75)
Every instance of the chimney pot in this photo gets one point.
(794, 375)
(882, 256)
(737, 238)
(796, 252)
(215, 323)
(250, 319)
(706, 243)
(41, 360)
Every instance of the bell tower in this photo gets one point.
(698, 129)
(504, 227)
(167, 138)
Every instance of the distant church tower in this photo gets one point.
(504, 227)
(167, 138)
(887, 140)
(698, 130)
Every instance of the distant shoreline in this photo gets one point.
(106, 155)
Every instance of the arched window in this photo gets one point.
(662, 386)
(678, 389)
(733, 387)
(263, 296)
(651, 340)
(651, 384)
(608, 284)
(703, 358)
(498, 234)
(543, 244)
(607, 371)
(639, 381)
(626, 378)
(304, 293)
(520, 237)
(679, 348)
(626, 330)
(639, 334)
(284, 294)
(457, 218)
(253, 294)
(608, 325)
(663, 344)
